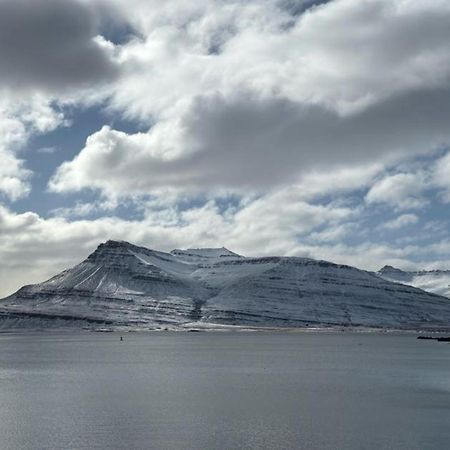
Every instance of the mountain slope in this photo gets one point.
(123, 284)
(435, 281)
(296, 291)
(120, 283)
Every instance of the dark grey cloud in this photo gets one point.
(49, 44)
(298, 7)
(251, 142)
(267, 142)
(246, 142)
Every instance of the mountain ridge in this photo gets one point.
(125, 285)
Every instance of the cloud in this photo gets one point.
(401, 191)
(51, 45)
(272, 102)
(19, 119)
(441, 176)
(13, 177)
(250, 143)
(333, 233)
(401, 221)
(271, 50)
(48, 51)
(81, 209)
(369, 255)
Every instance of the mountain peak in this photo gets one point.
(205, 253)
(113, 249)
(114, 243)
(390, 269)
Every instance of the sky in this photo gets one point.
(271, 127)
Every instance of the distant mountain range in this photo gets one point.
(435, 281)
(123, 285)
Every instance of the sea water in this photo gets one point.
(223, 390)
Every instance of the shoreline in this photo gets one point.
(221, 328)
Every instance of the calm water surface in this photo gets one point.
(223, 391)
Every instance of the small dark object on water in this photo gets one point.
(121, 338)
(439, 339)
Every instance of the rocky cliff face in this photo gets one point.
(123, 284)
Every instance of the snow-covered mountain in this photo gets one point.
(121, 284)
(435, 281)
